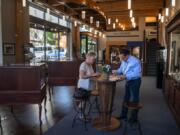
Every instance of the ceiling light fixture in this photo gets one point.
(167, 11)
(109, 21)
(97, 24)
(91, 19)
(130, 13)
(24, 3)
(132, 19)
(173, 3)
(64, 17)
(83, 14)
(48, 11)
(134, 25)
(162, 19)
(103, 36)
(75, 23)
(117, 20)
(129, 4)
(159, 16)
(114, 25)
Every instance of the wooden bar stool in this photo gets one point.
(133, 107)
(80, 106)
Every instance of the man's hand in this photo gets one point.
(121, 77)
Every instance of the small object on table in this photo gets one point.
(106, 95)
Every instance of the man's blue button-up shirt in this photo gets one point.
(131, 68)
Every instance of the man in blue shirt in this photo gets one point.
(130, 70)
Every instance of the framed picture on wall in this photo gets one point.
(9, 48)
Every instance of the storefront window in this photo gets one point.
(52, 45)
(37, 39)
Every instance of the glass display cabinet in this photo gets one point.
(172, 77)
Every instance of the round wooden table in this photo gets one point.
(106, 90)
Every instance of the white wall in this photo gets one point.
(1, 52)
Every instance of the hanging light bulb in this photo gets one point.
(159, 16)
(95, 32)
(100, 34)
(167, 11)
(103, 36)
(97, 24)
(91, 19)
(109, 21)
(132, 19)
(129, 4)
(90, 29)
(117, 20)
(114, 26)
(24, 3)
(83, 14)
(173, 3)
(64, 17)
(162, 19)
(130, 13)
(48, 11)
(123, 28)
(84, 27)
(75, 23)
(134, 24)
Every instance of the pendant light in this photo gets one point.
(159, 16)
(117, 20)
(167, 11)
(109, 21)
(173, 3)
(91, 19)
(129, 4)
(114, 26)
(97, 24)
(48, 11)
(75, 23)
(162, 19)
(83, 14)
(130, 13)
(24, 3)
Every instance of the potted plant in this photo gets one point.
(106, 71)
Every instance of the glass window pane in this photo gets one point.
(37, 39)
(51, 45)
(64, 48)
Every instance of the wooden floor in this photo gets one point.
(25, 121)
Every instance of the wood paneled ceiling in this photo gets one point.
(114, 9)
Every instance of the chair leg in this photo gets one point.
(45, 100)
(40, 113)
(84, 114)
(49, 93)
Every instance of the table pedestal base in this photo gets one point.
(98, 124)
